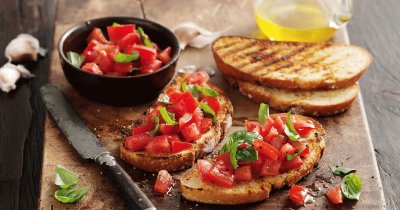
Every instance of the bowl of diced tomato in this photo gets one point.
(119, 60)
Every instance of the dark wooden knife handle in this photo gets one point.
(130, 191)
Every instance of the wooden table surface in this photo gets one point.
(22, 113)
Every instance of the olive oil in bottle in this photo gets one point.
(300, 21)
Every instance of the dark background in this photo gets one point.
(375, 26)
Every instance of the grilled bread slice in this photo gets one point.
(186, 158)
(194, 189)
(290, 65)
(306, 102)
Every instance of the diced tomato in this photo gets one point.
(299, 146)
(218, 174)
(146, 54)
(186, 104)
(266, 149)
(270, 167)
(206, 124)
(191, 132)
(165, 55)
(243, 173)
(288, 165)
(279, 125)
(89, 52)
(178, 146)
(286, 150)
(122, 67)
(204, 167)
(278, 141)
(163, 183)
(143, 128)
(150, 67)
(334, 195)
(153, 111)
(271, 134)
(174, 95)
(137, 142)
(97, 35)
(92, 68)
(110, 49)
(213, 103)
(197, 77)
(159, 144)
(168, 129)
(104, 61)
(185, 120)
(303, 128)
(198, 116)
(268, 125)
(250, 125)
(305, 153)
(116, 33)
(172, 138)
(127, 40)
(298, 194)
(256, 165)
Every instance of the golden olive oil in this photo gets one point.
(303, 21)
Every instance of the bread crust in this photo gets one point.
(300, 102)
(194, 189)
(287, 81)
(185, 158)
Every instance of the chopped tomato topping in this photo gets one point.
(168, 129)
(286, 150)
(197, 77)
(334, 195)
(204, 167)
(279, 125)
(218, 174)
(206, 124)
(97, 35)
(243, 173)
(128, 40)
(165, 55)
(270, 167)
(137, 142)
(122, 67)
(163, 183)
(158, 144)
(143, 128)
(213, 103)
(92, 68)
(271, 134)
(266, 149)
(298, 194)
(278, 141)
(186, 104)
(305, 153)
(191, 132)
(291, 164)
(116, 33)
(178, 146)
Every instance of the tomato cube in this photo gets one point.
(116, 33)
(163, 183)
(198, 116)
(178, 146)
(158, 145)
(305, 153)
(137, 142)
(185, 120)
(268, 125)
(89, 52)
(104, 61)
(122, 67)
(271, 134)
(197, 77)
(298, 194)
(186, 104)
(165, 55)
(128, 40)
(206, 124)
(286, 150)
(204, 167)
(334, 195)
(191, 132)
(270, 167)
(219, 175)
(168, 129)
(243, 173)
(278, 141)
(150, 67)
(213, 103)
(279, 125)
(143, 128)
(288, 165)
(92, 68)
(146, 54)
(97, 35)
(266, 149)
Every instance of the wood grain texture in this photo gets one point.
(374, 27)
(345, 132)
(21, 111)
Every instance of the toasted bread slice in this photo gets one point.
(194, 189)
(290, 65)
(306, 102)
(186, 158)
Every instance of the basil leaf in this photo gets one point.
(341, 171)
(64, 177)
(116, 24)
(194, 90)
(70, 195)
(291, 156)
(75, 58)
(156, 125)
(263, 113)
(233, 149)
(242, 136)
(247, 154)
(146, 41)
(208, 110)
(164, 99)
(184, 86)
(351, 186)
(166, 116)
(126, 58)
(207, 91)
(289, 129)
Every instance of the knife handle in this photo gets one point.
(131, 192)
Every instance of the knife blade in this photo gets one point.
(89, 147)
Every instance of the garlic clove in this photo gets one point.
(191, 34)
(9, 75)
(24, 47)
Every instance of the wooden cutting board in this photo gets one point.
(348, 138)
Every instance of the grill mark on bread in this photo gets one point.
(241, 47)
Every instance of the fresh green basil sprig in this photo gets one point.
(208, 110)
(351, 186)
(167, 116)
(126, 58)
(241, 154)
(341, 171)
(263, 113)
(156, 125)
(66, 180)
(145, 39)
(289, 129)
(75, 58)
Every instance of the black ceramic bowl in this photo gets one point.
(117, 90)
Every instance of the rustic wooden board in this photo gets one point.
(348, 138)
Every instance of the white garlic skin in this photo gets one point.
(9, 75)
(23, 47)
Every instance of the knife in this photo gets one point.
(88, 146)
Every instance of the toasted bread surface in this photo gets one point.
(290, 65)
(194, 189)
(186, 158)
(306, 102)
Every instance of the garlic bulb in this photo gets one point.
(9, 75)
(24, 47)
(191, 34)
